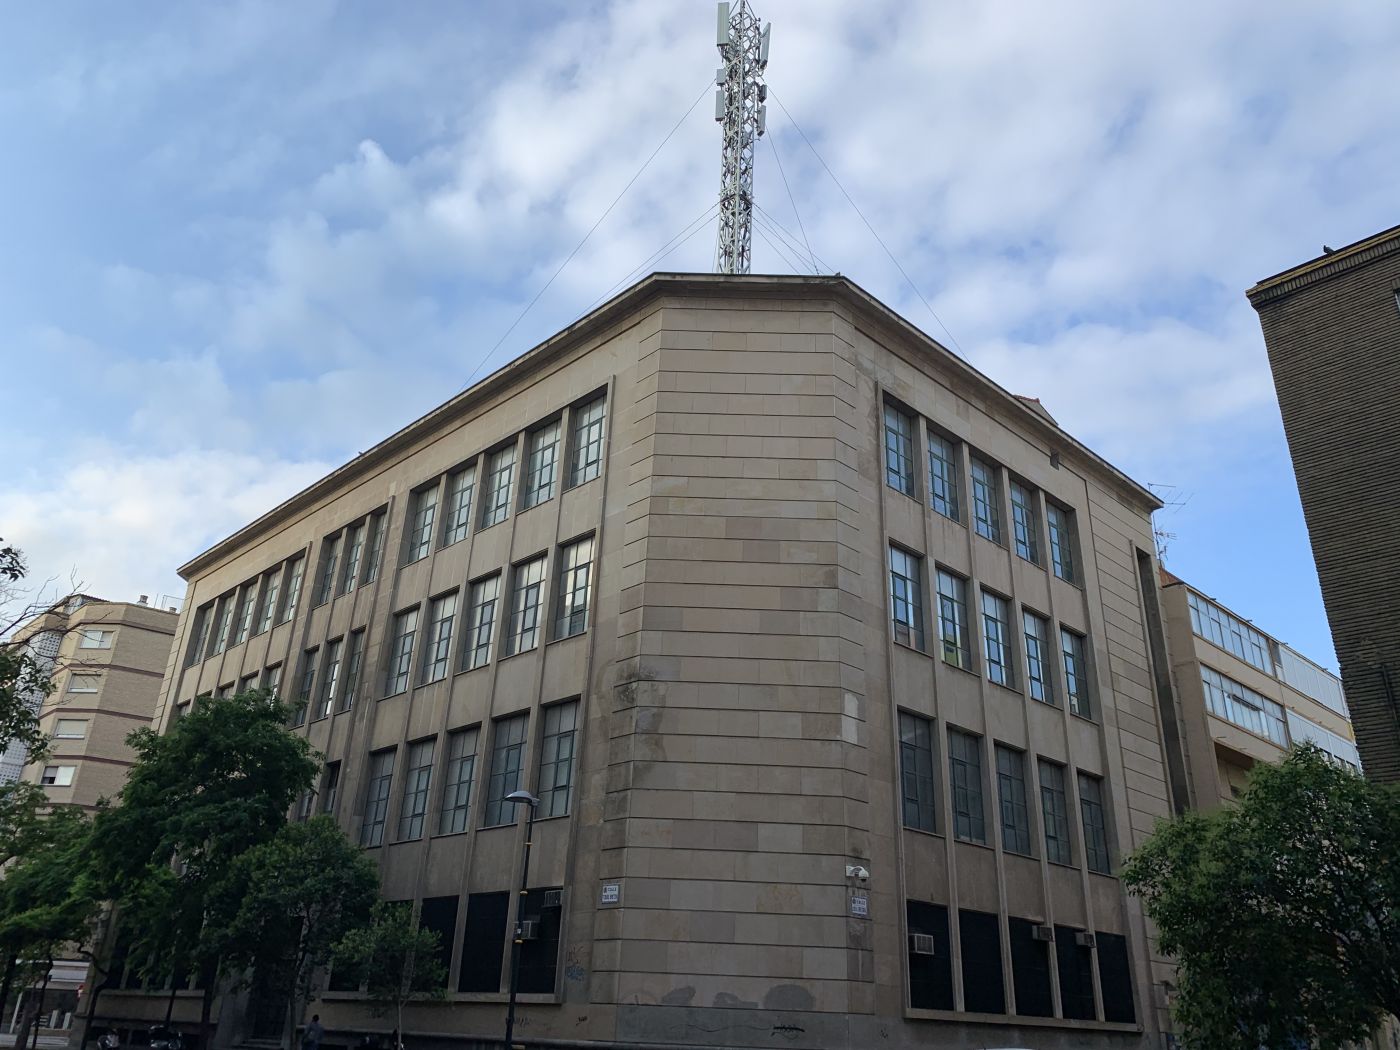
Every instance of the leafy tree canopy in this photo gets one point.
(1281, 910)
(396, 959)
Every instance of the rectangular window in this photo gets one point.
(457, 789)
(354, 556)
(374, 546)
(557, 759)
(1244, 707)
(984, 987)
(415, 789)
(1025, 522)
(272, 583)
(422, 512)
(330, 787)
(952, 619)
(272, 680)
(1062, 561)
(986, 500)
(199, 637)
(1011, 796)
(481, 622)
(1115, 977)
(70, 729)
(1095, 828)
(899, 451)
(930, 973)
(574, 587)
(1030, 970)
(496, 486)
(527, 594)
(354, 657)
(507, 760)
(439, 915)
(248, 683)
(1215, 624)
(90, 638)
(246, 603)
(223, 625)
(330, 558)
(483, 942)
(1076, 673)
(587, 460)
(307, 686)
(461, 487)
(1037, 635)
(305, 803)
(996, 640)
(1076, 966)
(381, 779)
(943, 472)
(906, 597)
(916, 771)
(224, 691)
(58, 776)
(539, 958)
(965, 779)
(401, 652)
(437, 652)
(1054, 812)
(541, 463)
(292, 598)
(330, 678)
(84, 683)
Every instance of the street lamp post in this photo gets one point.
(516, 798)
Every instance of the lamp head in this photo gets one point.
(523, 796)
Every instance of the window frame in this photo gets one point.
(952, 613)
(376, 808)
(1079, 701)
(398, 669)
(497, 485)
(1017, 836)
(554, 779)
(1025, 522)
(1054, 813)
(945, 486)
(1093, 820)
(420, 526)
(459, 779)
(473, 642)
(418, 777)
(1063, 532)
(502, 778)
(586, 435)
(965, 786)
(521, 611)
(906, 596)
(916, 773)
(541, 474)
(898, 443)
(998, 647)
(571, 613)
(435, 655)
(986, 498)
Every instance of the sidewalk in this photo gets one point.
(49, 1041)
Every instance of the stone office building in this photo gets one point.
(838, 670)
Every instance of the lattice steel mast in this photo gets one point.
(739, 108)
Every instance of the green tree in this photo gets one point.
(396, 959)
(1281, 910)
(217, 784)
(24, 681)
(303, 891)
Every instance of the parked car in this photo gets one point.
(163, 1038)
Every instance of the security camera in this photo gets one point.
(855, 871)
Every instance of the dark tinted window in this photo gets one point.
(1115, 977)
(930, 976)
(979, 934)
(1030, 970)
(483, 942)
(1076, 966)
(439, 914)
(539, 958)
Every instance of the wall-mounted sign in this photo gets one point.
(612, 893)
(860, 907)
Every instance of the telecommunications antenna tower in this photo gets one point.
(740, 110)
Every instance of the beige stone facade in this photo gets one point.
(1245, 696)
(805, 781)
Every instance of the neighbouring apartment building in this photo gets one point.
(1245, 697)
(1332, 328)
(838, 670)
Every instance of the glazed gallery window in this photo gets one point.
(481, 622)
(1054, 812)
(457, 787)
(906, 597)
(247, 602)
(1077, 688)
(292, 597)
(965, 782)
(507, 760)
(527, 594)
(437, 648)
(899, 451)
(415, 789)
(1025, 522)
(943, 472)
(495, 497)
(916, 771)
(457, 518)
(575, 582)
(1038, 657)
(381, 779)
(422, 512)
(354, 554)
(1095, 828)
(996, 640)
(586, 462)
(1011, 796)
(986, 500)
(952, 619)
(272, 583)
(330, 678)
(557, 758)
(541, 462)
(354, 658)
(330, 557)
(1061, 523)
(401, 652)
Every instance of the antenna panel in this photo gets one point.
(722, 28)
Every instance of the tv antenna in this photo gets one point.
(739, 107)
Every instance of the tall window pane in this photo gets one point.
(1244, 707)
(1054, 812)
(557, 758)
(460, 774)
(422, 512)
(293, 589)
(307, 686)
(1095, 827)
(952, 619)
(965, 777)
(1038, 653)
(1025, 522)
(481, 622)
(996, 640)
(943, 474)
(354, 658)
(1076, 673)
(496, 486)
(223, 624)
(986, 500)
(272, 680)
(899, 450)
(907, 597)
(330, 557)
(381, 779)
(1061, 523)
(374, 545)
(330, 678)
(330, 787)
(461, 486)
(587, 460)
(541, 458)
(244, 621)
(415, 789)
(507, 759)
(401, 652)
(1011, 795)
(575, 584)
(354, 558)
(437, 652)
(272, 583)
(203, 628)
(527, 593)
(916, 771)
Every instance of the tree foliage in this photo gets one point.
(396, 959)
(23, 679)
(1282, 910)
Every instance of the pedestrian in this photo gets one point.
(311, 1038)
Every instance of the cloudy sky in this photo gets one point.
(244, 241)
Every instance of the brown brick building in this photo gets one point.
(1332, 328)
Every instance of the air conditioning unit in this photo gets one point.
(921, 943)
(1042, 933)
(553, 899)
(528, 930)
(1084, 939)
